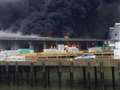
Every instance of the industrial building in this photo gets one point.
(95, 72)
(40, 43)
(12, 42)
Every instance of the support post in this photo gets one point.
(16, 74)
(15, 46)
(44, 74)
(27, 74)
(44, 45)
(119, 71)
(60, 74)
(32, 74)
(71, 74)
(8, 75)
(89, 76)
(84, 74)
(31, 46)
(113, 77)
(102, 76)
(96, 77)
(35, 75)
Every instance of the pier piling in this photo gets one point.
(65, 74)
(113, 77)
(102, 77)
(44, 74)
(8, 74)
(89, 76)
(35, 75)
(31, 74)
(71, 74)
(59, 72)
(96, 77)
(16, 74)
(84, 75)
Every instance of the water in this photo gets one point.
(79, 79)
(12, 87)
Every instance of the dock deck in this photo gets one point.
(67, 62)
(44, 71)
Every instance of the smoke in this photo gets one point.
(108, 13)
(9, 34)
(75, 17)
(4, 1)
(109, 10)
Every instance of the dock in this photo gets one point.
(91, 73)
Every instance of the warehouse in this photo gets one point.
(40, 43)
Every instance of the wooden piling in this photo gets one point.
(96, 77)
(102, 77)
(71, 74)
(84, 75)
(21, 77)
(59, 71)
(32, 74)
(8, 74)
(16, 80)
(119, 72)
(89, 76)
(3, 71)
(44, 74)
(113, 77)
(0, 73)
(27, 75)
(35, 75)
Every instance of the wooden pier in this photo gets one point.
(89, 73)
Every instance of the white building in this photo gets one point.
(115, 32)
(115, 40)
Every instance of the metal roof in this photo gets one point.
(49, 39)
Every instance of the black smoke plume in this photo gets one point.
(59, 18)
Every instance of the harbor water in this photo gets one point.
(31, 77)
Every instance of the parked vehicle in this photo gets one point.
(85, 56)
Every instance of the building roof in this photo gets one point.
(18, 36)
(30, 38)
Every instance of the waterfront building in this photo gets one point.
(40, 43)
